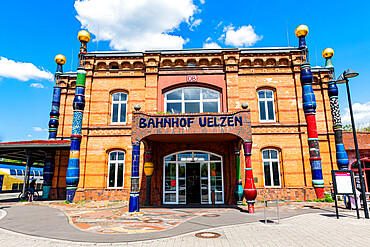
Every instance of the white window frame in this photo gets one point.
(200, 101)
(270, 160)
(120, 103)
(266, 105)
(115, 162)
(190, 160)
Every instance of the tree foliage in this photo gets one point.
(360, 127)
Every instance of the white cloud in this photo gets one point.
(22, 71)
(136, 25)
(38, 129)
(212, 45)
(361, 114)
(244, 36)
(194, 23)
(37, 85)
(28, 135)
(202, 1)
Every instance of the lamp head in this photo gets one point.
(60, 59)
(341, 79)
(301, 30)
(350, 73)
(84, 36)
(328, 53)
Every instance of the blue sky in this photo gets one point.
(33, 32)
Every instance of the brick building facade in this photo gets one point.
(200, 83)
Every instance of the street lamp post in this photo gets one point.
(343, 78)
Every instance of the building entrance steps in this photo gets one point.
(87, 224)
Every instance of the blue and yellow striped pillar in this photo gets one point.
(49, 165)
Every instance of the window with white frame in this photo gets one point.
(116, 169)
(271, 168)
(192, 100)
(266, 105)
(119, 108)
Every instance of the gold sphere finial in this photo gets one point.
(60, 59)
(328, 52)
(84, 36)
(301, 30)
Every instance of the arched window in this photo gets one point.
(192, 100)
(271, 168)
(119, 108)
(266, 105)
(116, 169)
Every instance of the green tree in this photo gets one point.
(360, 127)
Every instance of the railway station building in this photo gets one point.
(192, 116)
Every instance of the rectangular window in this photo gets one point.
(262, 110)
(192, 108)
(266, 106)
(112, 175)
(116, 169)
(119, 108)
(210, 107)
(271, 168)
(115, 113)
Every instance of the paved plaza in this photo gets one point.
(302, 224)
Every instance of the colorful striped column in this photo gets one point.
(341, 154)
(49, 165)
(73, 170)
(250, 191)
(309, 107)
(238, 187)
(135, 191)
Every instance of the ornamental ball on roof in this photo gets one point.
(301, 30)
(83, 36)
(328, 52)
(60, 59)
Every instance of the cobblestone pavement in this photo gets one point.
(317, 229)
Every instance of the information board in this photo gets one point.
(344, 183)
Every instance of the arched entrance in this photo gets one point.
(190, 176)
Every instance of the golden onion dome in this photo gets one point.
(301, 30)
(60, 59)
(84, 36)
(328, 52)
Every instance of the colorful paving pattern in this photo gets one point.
(111, 217)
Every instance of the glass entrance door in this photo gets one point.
(190, 177)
